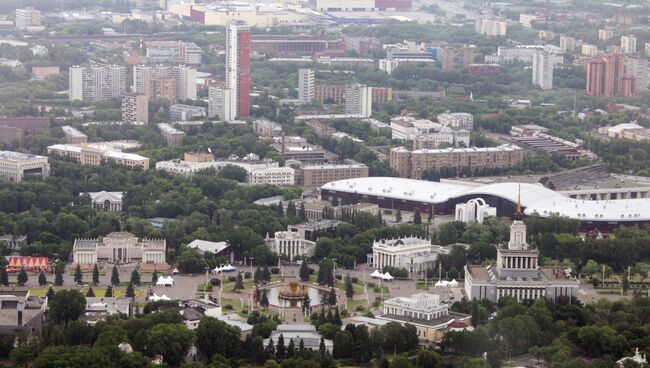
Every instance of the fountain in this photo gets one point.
(293, 291)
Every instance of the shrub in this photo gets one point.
(339, 277)
(360, 308)
(311, 271)
(247, 275)
(371, 284)
(355, 280)
(215, 282)
(244, 311)
(227, 307)
(232, 278)
(275, 270)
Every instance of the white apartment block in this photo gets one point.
(491, 26)
(407, 127)
(589, 50)
(412, 253)
(135, 108)
(222, 102)
(184, 76)
(543, 70)
(96, 82)
(173, 52)
(638, 68)
(358, 100)
(605, 34)
(266, 172)
(567, 43)
(525, 54)
(27, 17)
(457, 120)
(628, 44)
(306, 85)
(14, 166)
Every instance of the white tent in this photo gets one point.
(154, 298)
(217, 270)
(165, 281)
(387, 277)
(376, 274)
(165, 297)
(447, 284)
(229, 268)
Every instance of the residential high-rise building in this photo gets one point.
(222, 103)
(184, 78)
(457, 57)
(543, 70)
(238, 78)
(27, 17)
(628, 44)
(491, 26)
(306, 85)
(358, 100)
(605, 34)
(135, 108)
(158, 88)
(589, 50)
(637, 68)
(604, 75)
(97, 82)
(175, 52)
(567, 43)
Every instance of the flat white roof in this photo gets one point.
(535, 198)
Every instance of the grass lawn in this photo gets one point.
(353, 304)
(422, 286)
(231, 301)
(99, 291)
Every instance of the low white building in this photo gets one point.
(299, 332)
(457, 120)
(475, 210)
(414, 254)
(106, 201)
(221, 248)
(15, 166)
(291, 244)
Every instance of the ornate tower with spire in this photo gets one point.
(517, 258)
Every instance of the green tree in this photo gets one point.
(417, 217)
(50, 293)
(349, 288)
(280, 349)
(239, 284)
(428, 359)
(190, 261)
(302, 214)
(398, 216)
(265, 300)
(109, 292)
(216, 337)
(343, 344)
(304, 271)
(66, 305)
(266, 274)
(115, 276)
(171, 340)
(95, 275)
(42, 280)
(130, 292)
(78, 276)
(22, 277)
(154, 276)
(135, 277)
(90, 293)
(400, 362)
(4, 277)
(331, 297)
(257, 275)
(58, 275)
(590, 268)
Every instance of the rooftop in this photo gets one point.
(535, 198)
(18, 156)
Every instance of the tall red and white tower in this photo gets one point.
(238, 65)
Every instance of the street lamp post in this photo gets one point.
(251, 259)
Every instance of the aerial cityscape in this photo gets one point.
(324, 183)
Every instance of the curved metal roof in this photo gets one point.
(535, 198)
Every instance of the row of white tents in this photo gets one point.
(228, 268)
(383, 276)
(165, 281)
(155, 298)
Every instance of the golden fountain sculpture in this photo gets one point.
(293, 291)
